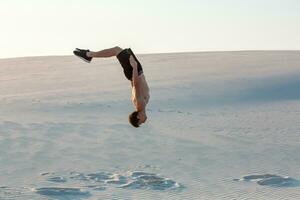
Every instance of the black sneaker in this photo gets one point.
(81, 53)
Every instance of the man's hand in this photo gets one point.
(132, 61)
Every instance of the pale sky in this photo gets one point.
(56, 27)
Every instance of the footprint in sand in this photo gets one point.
(61, 192)
(102, 180)
(143, 180)
(53, 178)
(102, 177)
(271, 180)
(57, 179)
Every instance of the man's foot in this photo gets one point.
(81, 53)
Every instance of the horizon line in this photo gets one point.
(175, 52)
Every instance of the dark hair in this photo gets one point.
(134, 121)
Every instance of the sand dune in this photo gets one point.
(221, 125)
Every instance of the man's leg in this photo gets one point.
(105, 53)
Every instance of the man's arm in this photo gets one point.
(140, 105)
(135, 74)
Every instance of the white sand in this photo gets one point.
(213, 118)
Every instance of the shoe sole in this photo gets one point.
(85, 60)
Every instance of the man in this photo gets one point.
(133, 71)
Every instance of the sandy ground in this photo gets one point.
(221, 125)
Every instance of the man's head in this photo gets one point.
(136, 118)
